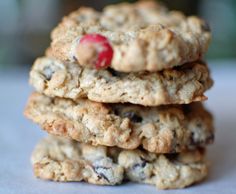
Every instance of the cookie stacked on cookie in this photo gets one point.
(120, 93)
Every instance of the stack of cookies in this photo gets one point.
(119, 92)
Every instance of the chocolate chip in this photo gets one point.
(101, 175)
(74, 58)
(101, 167)
(139, 165)
(205, 26)
(175, 144)
(48, 72)
(114, 73)
(97, 169)
(133, 117)
(138, 169)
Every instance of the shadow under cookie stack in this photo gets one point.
(119, 92)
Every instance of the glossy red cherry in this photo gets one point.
(94, 50)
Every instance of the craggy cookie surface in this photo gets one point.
(64, 160)
(145, 36)
(164, 129)
(181, 85)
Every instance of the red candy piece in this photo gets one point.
(104, 51)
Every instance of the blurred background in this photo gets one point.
(25, 25)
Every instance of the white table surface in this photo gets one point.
(18, 137)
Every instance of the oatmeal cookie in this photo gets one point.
(181, 85)
(64, 160)
(164, 129)
(144, 36)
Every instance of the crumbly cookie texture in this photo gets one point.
(59, 159)
(164, 129)
(181, 85)
(145, 36)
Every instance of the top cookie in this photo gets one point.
(144, 36)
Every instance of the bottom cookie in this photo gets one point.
(58, 159)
